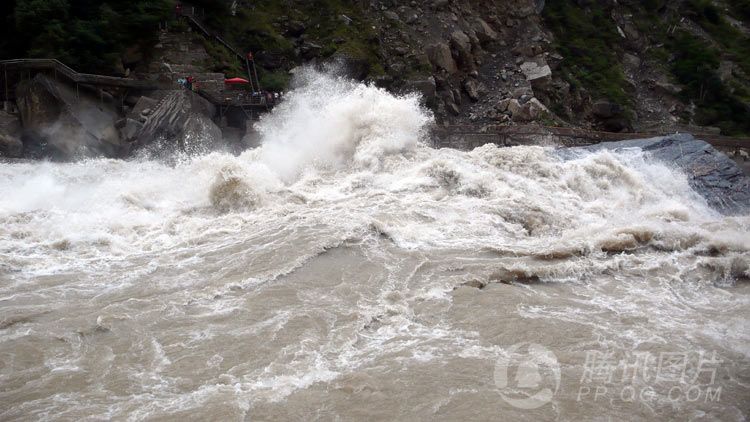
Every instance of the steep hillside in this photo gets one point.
(617, 66)
(630, 65)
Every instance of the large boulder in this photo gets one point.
(63, 124)
(527, 111)
(10, 136)
(461, 43)
(484, 32)
(425, 87)
(10, 146)
(181, 121)
(440, 56)
(605, 109)
(710, 173)
(537, 72)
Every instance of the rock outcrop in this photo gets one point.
(10, 136)
(62, 124)
(712, 174)
(182, 120)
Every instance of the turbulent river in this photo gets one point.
(345, 270)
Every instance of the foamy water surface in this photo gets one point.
(335, 273)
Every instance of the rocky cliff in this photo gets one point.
(616, 66)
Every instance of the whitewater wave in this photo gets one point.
(215, 284)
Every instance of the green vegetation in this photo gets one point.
(695, 67)
(588, 40)
(274, 81)
(264, 29)
(86, 34)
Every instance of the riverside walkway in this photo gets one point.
(14, 70)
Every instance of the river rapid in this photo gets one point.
(345, 270)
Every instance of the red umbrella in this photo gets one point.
(236, 81)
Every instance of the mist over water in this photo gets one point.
(333, 272)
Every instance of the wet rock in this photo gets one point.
(9, 124)
(712, 174)
(502, 106)
(440, 56)
(144, 106)
(62, 124)
(10, 146)
(181, 120)
(461, 42)
(606, 109)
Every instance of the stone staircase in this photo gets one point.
(179, 55)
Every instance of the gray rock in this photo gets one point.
(309, 50)
(295, 28)
(10, 146)
(462, 44)
(391, 15)
(485, 33)
(710, 173)
(63, 125)
(440, 56)
(632, 61)
(537, 73)
(667, 88)
(725, 70)
(473, 89)
(606, 109)
(526, 112)
(539, 6)
(440, 4)
(10, 136)
(181, 121)
(129, 129)
(144, 106)
(453, 108)
(426, 87)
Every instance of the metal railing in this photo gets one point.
(76, 77)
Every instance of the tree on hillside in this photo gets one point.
(87, 34)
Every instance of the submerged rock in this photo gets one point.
(712, 174)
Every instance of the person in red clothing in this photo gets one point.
(178, 10)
